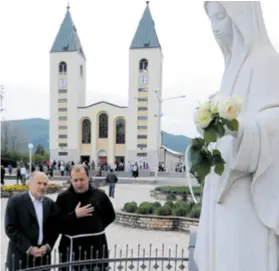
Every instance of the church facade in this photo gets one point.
(105, 132)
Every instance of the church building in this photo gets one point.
(105, 132)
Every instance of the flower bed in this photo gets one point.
(9, 190)
(178, 216)
(175, 192)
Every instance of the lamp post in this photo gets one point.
(159, 115)
(30, 147)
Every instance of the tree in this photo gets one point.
(13, 138)
(40, 149)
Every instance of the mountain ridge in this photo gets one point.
(36, 131)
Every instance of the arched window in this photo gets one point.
(62, 67)
(103, 125)
(143, 65)
(120, 131)
(86, 131)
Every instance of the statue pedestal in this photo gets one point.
(192, 243)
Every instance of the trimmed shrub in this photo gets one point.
(195, 211)
(179, 208)
(180, 212)
(157, 204)
(164, 210)
(178, 190)
(169, 203)
(130, 207)
(145, 208)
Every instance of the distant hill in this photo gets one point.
(37, 132)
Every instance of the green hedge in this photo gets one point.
(178, 190)
(170, 208)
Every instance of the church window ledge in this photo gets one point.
(142, 108)
(63, 153)
(142, 136)
(142, 154)
(143, 89)
(142, 127)
(141, 146)
(63, 145)
(63, 118)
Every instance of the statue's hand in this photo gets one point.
(230, 132)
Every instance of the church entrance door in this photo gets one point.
(85, 158)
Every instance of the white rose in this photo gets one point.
(203, 116)
(230, 107)
(215, 102)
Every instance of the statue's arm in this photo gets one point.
(251, 153)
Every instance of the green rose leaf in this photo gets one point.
(220, 129)
(210, 135)
(233, 125)
(196, 157)
(216, 152)
(202, 169)
(219, 169)
(197, 141)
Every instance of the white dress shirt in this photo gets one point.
(38, 205)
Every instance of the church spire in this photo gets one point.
(146, 36)
(67, 39)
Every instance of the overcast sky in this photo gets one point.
(193, 64)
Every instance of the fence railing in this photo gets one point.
(120, 259)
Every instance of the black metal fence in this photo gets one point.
(127, 259)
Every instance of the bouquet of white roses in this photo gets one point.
(213, 119)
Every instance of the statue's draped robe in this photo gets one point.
(239, 224)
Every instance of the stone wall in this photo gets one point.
(153, 222)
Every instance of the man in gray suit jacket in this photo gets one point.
(28, 224)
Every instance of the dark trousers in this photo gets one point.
(84, 248)
(111, 190)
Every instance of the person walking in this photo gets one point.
(3, 172)
(111, 180)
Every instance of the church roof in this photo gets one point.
(102, 102)
(146, 36)
(67, 39)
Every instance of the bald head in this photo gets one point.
(37, 175)
(38, 183)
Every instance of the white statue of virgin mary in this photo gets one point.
(239, 224)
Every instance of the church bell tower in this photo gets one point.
(145, 84)
(67, 91)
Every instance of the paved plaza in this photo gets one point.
(119, 235)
